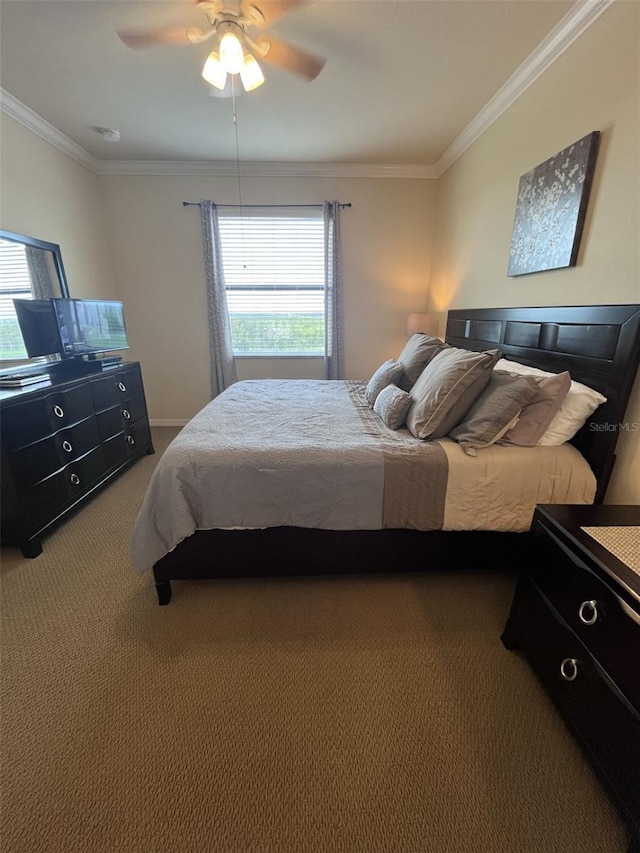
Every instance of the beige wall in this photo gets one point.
(46, 194)
(157, 254)
(594, 85)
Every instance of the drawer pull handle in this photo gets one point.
(122, 386)
(66, 445)
(588, 612)
(126, 414)
(131, 440)
(569, 669)
(58, 411)
(75, 479)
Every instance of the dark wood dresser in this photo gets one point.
(576, 618)
(63, 440)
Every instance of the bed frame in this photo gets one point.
(599, 345)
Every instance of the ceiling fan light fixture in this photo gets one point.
(228, 22)
(231, 53)
(251, 74)
(213, 72)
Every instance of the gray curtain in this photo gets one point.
(223, 365)
(42, 286)
(333, 314)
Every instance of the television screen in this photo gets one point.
(38, 326)
(89, 326)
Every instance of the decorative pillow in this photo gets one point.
(417, 353)
(577, 408)
(447, 388)
(536, 417)
(388, 373)
(495, 411)
(392, 405)
(579, 404)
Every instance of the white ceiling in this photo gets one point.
(402, 81)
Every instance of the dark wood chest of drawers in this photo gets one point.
(61, 442)
(576, 618)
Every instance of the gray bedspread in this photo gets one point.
(299, 453)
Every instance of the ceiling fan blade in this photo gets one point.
(265, 12)
(283, 55)
(150, 38)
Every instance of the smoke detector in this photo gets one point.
(108, 134)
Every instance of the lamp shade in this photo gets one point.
(251, 74)
(213, 72)
(231, 53)
(421, 323)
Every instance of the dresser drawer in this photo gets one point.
(116, 387)
(114, 420)
(123, 446)
(43, 458)
(599, 617)
(32, 420)
(48, 498)
(606, 725)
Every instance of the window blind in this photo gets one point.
(15, 283)
(274, 276)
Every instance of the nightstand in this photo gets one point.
(576, 618)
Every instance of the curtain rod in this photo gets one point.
(197, 204)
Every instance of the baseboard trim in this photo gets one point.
(167, 422)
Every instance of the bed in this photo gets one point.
(298, 477)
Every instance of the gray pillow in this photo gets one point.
(495, 411)
(538, 414)
(392, 405)
(388, 373)
(417, 353)
(447, 388)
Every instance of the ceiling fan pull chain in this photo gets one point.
(235, 126)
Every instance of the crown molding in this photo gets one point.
(578, 19)
(36, 124)
(220, 168)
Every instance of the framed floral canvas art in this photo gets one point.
(551, 208)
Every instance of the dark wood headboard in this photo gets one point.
(598, 344)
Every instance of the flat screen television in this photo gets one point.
(89, 326)
(38, 326)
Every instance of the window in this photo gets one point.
(15, 283)
(275, 279)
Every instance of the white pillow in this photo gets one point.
(579, 404)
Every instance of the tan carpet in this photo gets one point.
(338, 714)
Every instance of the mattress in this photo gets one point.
(312, 454)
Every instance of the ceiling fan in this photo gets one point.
(236, 49)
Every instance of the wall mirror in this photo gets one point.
(29, 269)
